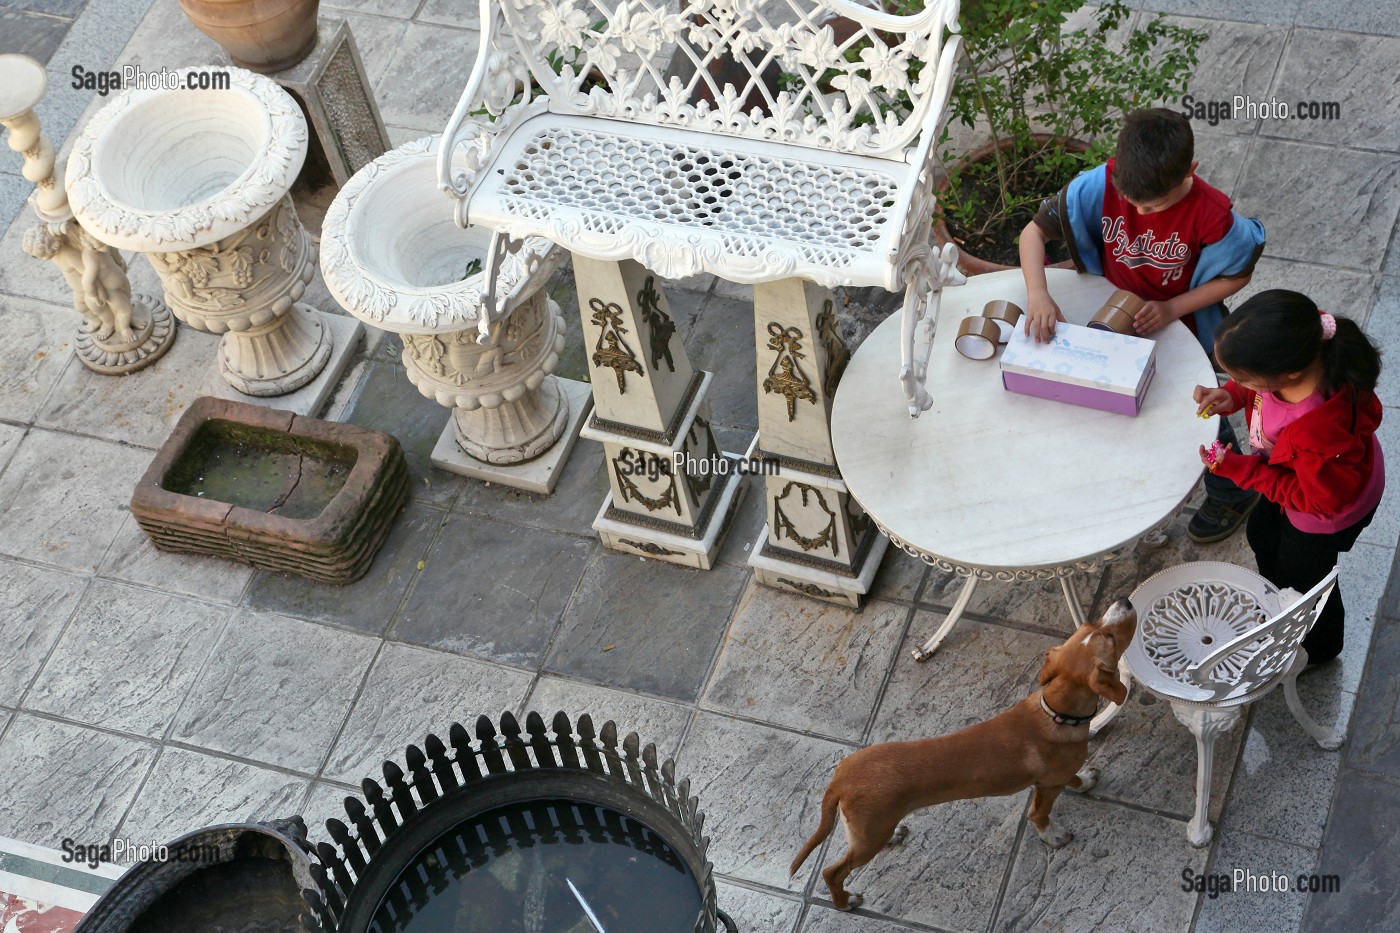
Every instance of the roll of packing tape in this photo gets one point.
(977, 338)
(1005, 314)
(1118, 312)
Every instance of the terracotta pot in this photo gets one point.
(969, 264)
(260, 35)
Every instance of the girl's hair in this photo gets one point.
(1279, 332)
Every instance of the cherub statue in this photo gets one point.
(95, 272)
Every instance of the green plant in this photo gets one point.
(1024, 72)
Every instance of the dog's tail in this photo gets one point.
(830, 802)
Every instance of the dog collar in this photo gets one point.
(1061, 718)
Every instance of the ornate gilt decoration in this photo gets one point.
(785, 376)
(660, 326)
(647, 547)
(783, 524)
(632, 462)
(837, 353)
(810, 589)
(612, 350)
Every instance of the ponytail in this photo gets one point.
(1279, 332)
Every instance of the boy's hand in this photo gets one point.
(1041, 315)
(1212, 401)
(1153, 316)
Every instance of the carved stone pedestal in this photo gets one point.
(198, 181)
(817, 540)
(393, 256)
(670, 499)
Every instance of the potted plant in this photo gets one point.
(1050, 99)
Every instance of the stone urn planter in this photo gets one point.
(551, 827)
(199, 181)
(263, 35)
(393, 256)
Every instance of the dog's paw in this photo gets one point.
(854, 901)
(901, 833)
(1088, 779)
(1054, 835)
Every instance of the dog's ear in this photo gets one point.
(1104, 681)
(1048, 670)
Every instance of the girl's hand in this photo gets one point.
(1211, 401)
(1214, 455)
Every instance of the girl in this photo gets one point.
(1307, 383)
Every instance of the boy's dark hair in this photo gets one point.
(1279, 332)
(1155, 151)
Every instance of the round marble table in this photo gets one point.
(998, 486)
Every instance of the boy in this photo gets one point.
(1149, 225)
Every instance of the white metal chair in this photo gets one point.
(1213, 638)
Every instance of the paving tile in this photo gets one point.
(369, 603)
(414, 91)
(376, 37)
(1236, 59)
(750, 515)
(1352, 191)
(760, 789)
(169, 40)
(65, 8)
(658, 722)
(570, 508)
(1383, 327)
(805, 664)
(1148, 759)
(493, 590)
(1283, 783)
(1254, 906)
(828, 920)
(1346, 291)
(275, 690)
(1365, 569)
(224, 791)
(1360, 847)
(1222, 157)
(1373, 740)
(403, 9)
(27, 34)
(899, 577)
(1121, 871)
(721, 341)
(10, 437)
(1254, 11)
(645, 625)
(388, 402)
(1368, 16)
(86, 781)
(1384, 529)
(450, 13)
(410, 693)
(979, 671)
(755, 911)
(1352, 71)
(139, 409)
(948, 872)
(1040, 603)
(34, 605)
(63, 498)
(127, 659)
(36, 340)
(132, 558)
(14, 189)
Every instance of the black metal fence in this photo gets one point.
(448, 783)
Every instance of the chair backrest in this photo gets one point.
(1262, 654)
(818, 73)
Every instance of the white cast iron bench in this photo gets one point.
(615, 155)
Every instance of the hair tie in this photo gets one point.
(1329, 325)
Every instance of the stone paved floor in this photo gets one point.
(143, 694)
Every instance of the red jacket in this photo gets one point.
(1320, 463)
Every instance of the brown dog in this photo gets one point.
(1041, 742)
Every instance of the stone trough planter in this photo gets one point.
(273, 489)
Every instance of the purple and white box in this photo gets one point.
(1094, 368)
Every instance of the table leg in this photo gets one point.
(926, 650)
(1111, 711)
(1072, 597)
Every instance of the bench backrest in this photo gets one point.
(811, 72)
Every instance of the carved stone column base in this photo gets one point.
(573, 402)
(279, 357)
(773, 568)
(621, 531)
(342, 335)
(155, 332)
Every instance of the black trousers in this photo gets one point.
(1298, 559)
